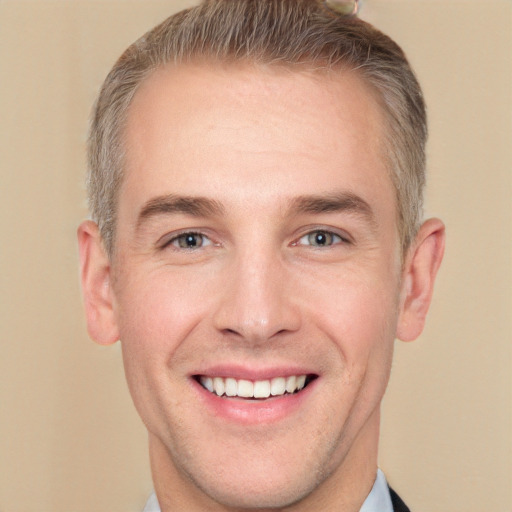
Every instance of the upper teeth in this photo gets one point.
(253, 389)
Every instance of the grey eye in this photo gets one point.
(189, 241)
(320, 238)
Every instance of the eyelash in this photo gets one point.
(332, 239)
(175, 241)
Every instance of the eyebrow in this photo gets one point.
(334, 203)
(197, 206)
(172, 204)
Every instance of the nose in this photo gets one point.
(257, 303)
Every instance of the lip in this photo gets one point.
(253, 411)
(239, 372)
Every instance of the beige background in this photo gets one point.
(70, 439)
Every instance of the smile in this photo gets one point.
(259, 389)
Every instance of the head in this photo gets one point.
(256, 175)
(298, 35)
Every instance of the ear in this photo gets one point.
(422, 263)
(96, 285)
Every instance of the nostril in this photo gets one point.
(231, 331)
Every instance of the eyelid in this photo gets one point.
(168, 239)
(344, 237)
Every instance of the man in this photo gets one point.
(256, 176)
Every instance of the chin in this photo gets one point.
(249, 491)
(274, 476)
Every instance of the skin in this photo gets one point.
(258, 291)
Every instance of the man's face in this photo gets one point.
(256, 248)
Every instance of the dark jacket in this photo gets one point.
(398, 504)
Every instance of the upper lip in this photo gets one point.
(253, 373)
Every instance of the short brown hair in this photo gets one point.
(292, 33)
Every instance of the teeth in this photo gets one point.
(278, 386)
(245, 389)
(291, 384)
(262, 389)
(231, 387)
(207, 382)
(258, 389)
(218, 386)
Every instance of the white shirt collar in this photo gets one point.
(152, 504)
(378, 500)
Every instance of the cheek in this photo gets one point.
(158, 309)
(155, 314)
(359, 316)
(351, 304)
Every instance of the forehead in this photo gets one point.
(195, 128)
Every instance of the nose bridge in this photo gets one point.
(255, 304)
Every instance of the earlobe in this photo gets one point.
(419, 273)
(96, 285)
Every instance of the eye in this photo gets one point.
(189, 241)
(321, 238)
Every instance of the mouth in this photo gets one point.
(228, 387)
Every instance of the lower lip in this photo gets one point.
(253, 412)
